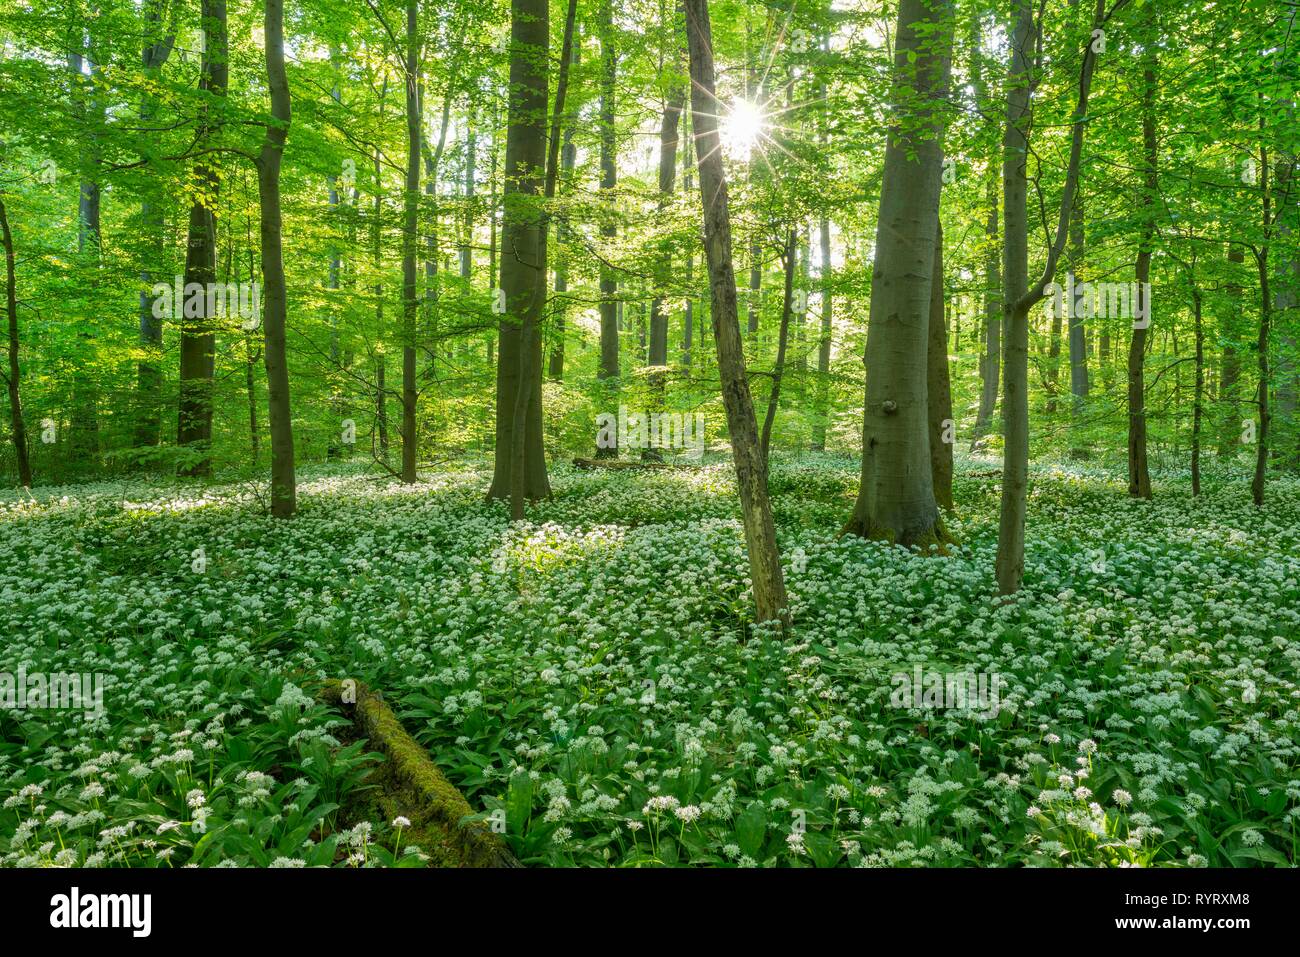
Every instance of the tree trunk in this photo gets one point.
(991, 357)
(149, 377)
(198, 332)
(1015, 276)
(568, 160)
(1139, 478)
(1265, 327)
(1019, 297)
(821, 396)
(608, 372)
(939, 386)
(410, 229)
(657, 356)
(751, 472)
(520, 467)
(1198, 399)
(17, 427)
(896, 500)
(283, 482)
(1077, 332)
(783, 336)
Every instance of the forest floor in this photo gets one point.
(590, 680)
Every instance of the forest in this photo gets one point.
(671, 433)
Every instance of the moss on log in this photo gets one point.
(438, 799)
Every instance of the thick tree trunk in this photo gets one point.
(751, 472)
(896, 500)
(523, 264)
(530, 339)
(198, 336)
(283, 481)
(939, 386)
(17, 426)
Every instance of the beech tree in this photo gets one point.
(896, 500)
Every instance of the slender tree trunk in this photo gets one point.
(1262, 344)
(751, 471)
(17, 427)
(939, 386)
(1198, 399)
(657, 356)
(821, 395)
(1015, 264)
(568, 160)
(1077, 333)
(783, 335)
(1019, 297)
(688, 314)
(283, 481)
(608, 371)
(1230, 365)
(90, 112)
(410, 230)
(991, 357)
(896, 500)
(1139, 477)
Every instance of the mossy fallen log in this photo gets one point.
(438, 799)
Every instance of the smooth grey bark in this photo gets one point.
(896, 500)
